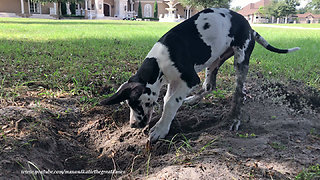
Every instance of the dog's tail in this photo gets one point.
(266, 45)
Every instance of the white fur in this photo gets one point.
(178, 89)
(161, 53)
(216, 34)
(293, 49)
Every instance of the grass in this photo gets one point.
(186, 152)
(246, 135)
(277, 146)
(76, 56)
(311, 173)
(301, 65)
(81, 57)
(33, 171)
(300, 25)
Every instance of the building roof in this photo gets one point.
(252, 8)
(305, 15)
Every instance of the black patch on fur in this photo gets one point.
(206, 26)
(177, 99)
(153, 93)
(187, 49)
(147, 90)
(135, 105)
(223, 15)
(147, 73)
(207, 11)
(180, 98)
(129, 91)
(147, 104)
(144, 122)
(240, 29)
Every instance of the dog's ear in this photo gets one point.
(126, 91)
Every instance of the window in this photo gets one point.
(34, 7)
(147, 10)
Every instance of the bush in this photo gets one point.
(155, 11)
(63, 9)
(139, 10)
(73, 8)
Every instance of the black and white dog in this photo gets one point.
(206, 40)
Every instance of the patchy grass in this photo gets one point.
(185, 149)
(313, 172)
(86, 58)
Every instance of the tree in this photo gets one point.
(139, 10)
(236, 9)
(59, 3)
(206, 3)
(282, 8)
(155, 11)
(314, 6)
(302, 10)
(73, 8)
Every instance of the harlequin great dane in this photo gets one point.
(206, 40)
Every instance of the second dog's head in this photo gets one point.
(139, 99)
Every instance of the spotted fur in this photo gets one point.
(204, 41)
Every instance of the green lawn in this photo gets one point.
(81, 56)
(71, 55)
(302, 65)
(300, 25)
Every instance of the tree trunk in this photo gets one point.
(286, 21)
(59, 10)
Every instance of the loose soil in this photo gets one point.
(278, 138)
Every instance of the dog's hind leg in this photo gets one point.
(241, 64)
(176, 93)
(211, 72)
(211, 76)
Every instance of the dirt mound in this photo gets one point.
(278, 137)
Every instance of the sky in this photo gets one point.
(242, 3)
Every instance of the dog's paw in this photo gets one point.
(158, 132)
(235, 125)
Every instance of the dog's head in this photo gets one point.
(139, 99)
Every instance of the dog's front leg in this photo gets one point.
(176, 93)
